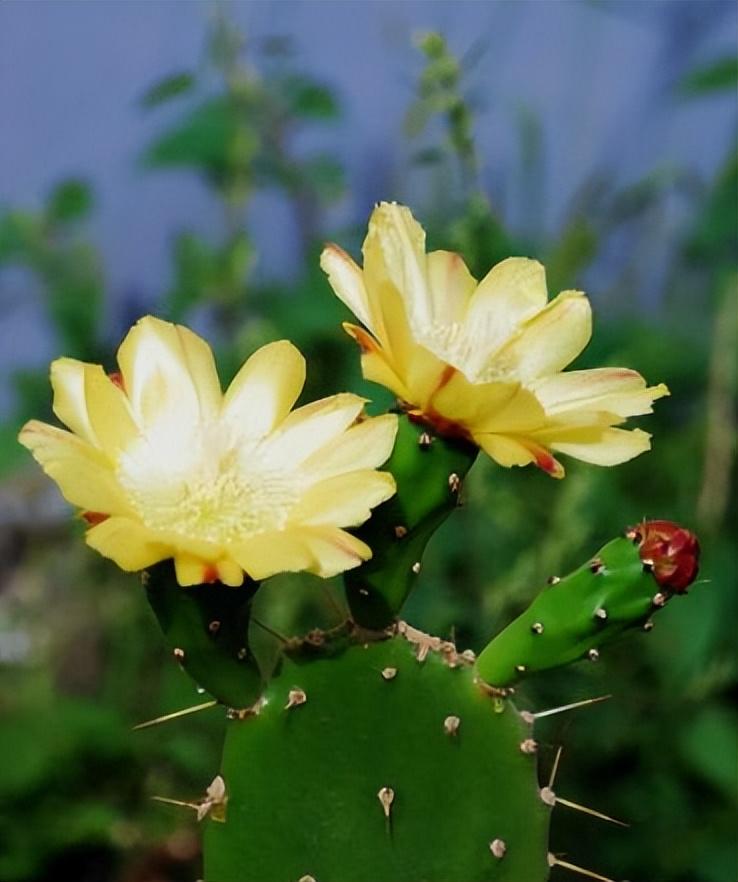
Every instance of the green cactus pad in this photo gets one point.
(375, 765)
(206, 627)
(575, 616)
(428, 470)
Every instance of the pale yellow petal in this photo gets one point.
(192, 570)
(109, 411)
(450, 285)
(426, 373)
(128, 543)
(347, 281)
(546, 343)
(367, 445)
(169, 373)
(511, 292)
(229, 572)
(70, 403)
(519, 451)
(488, 407)
(344, 500)
(265, 389)
(266, 554)
(394, 252)
(376, 364)
(334, 551)
(618, 391)
(311, 427)
(82, 473)
(599, 445)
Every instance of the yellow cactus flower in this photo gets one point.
(484, 360)
(164, 465)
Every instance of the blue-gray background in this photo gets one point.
(600, 77)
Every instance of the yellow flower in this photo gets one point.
(484, 360)
(163, 464)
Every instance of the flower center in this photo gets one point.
(208, 495)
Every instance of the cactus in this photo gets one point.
(377, 752)
(371, 751)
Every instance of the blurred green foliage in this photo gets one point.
(80, 656)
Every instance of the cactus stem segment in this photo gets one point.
(451, 725)
(588, 811)
(498, 847)
(175, 715)
(295, 698)
(386, 797)
(553, 861)
(569, 707)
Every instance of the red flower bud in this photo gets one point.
(670, 551)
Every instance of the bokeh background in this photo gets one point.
(190, 159)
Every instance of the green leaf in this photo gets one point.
(70, 200)
(205, 140)
(165, 90)
(309, 99)
(721, 74)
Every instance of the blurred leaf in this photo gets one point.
(168, 88)
(716, 235)
(708, 742)
(19, 232)
(309, 99)
(721, 74)
(575, 250)
(326, 177)
(69, 201)
(428, 156)
(205, 140)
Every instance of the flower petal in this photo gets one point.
(600, 445)
(266, 554)
(366, 445)
(376, 365)
(450, 285)
(520, 451)
(311, 427)
(347, 281)
(334, 551)
(70, 403)
(128, 543)
(394, 253)
(108, 411)
(546, 343)
(618, 391)
(510, 293)
(344, 500)
(488, 407)
(83, 473)
(169, 374)
(265, 389)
